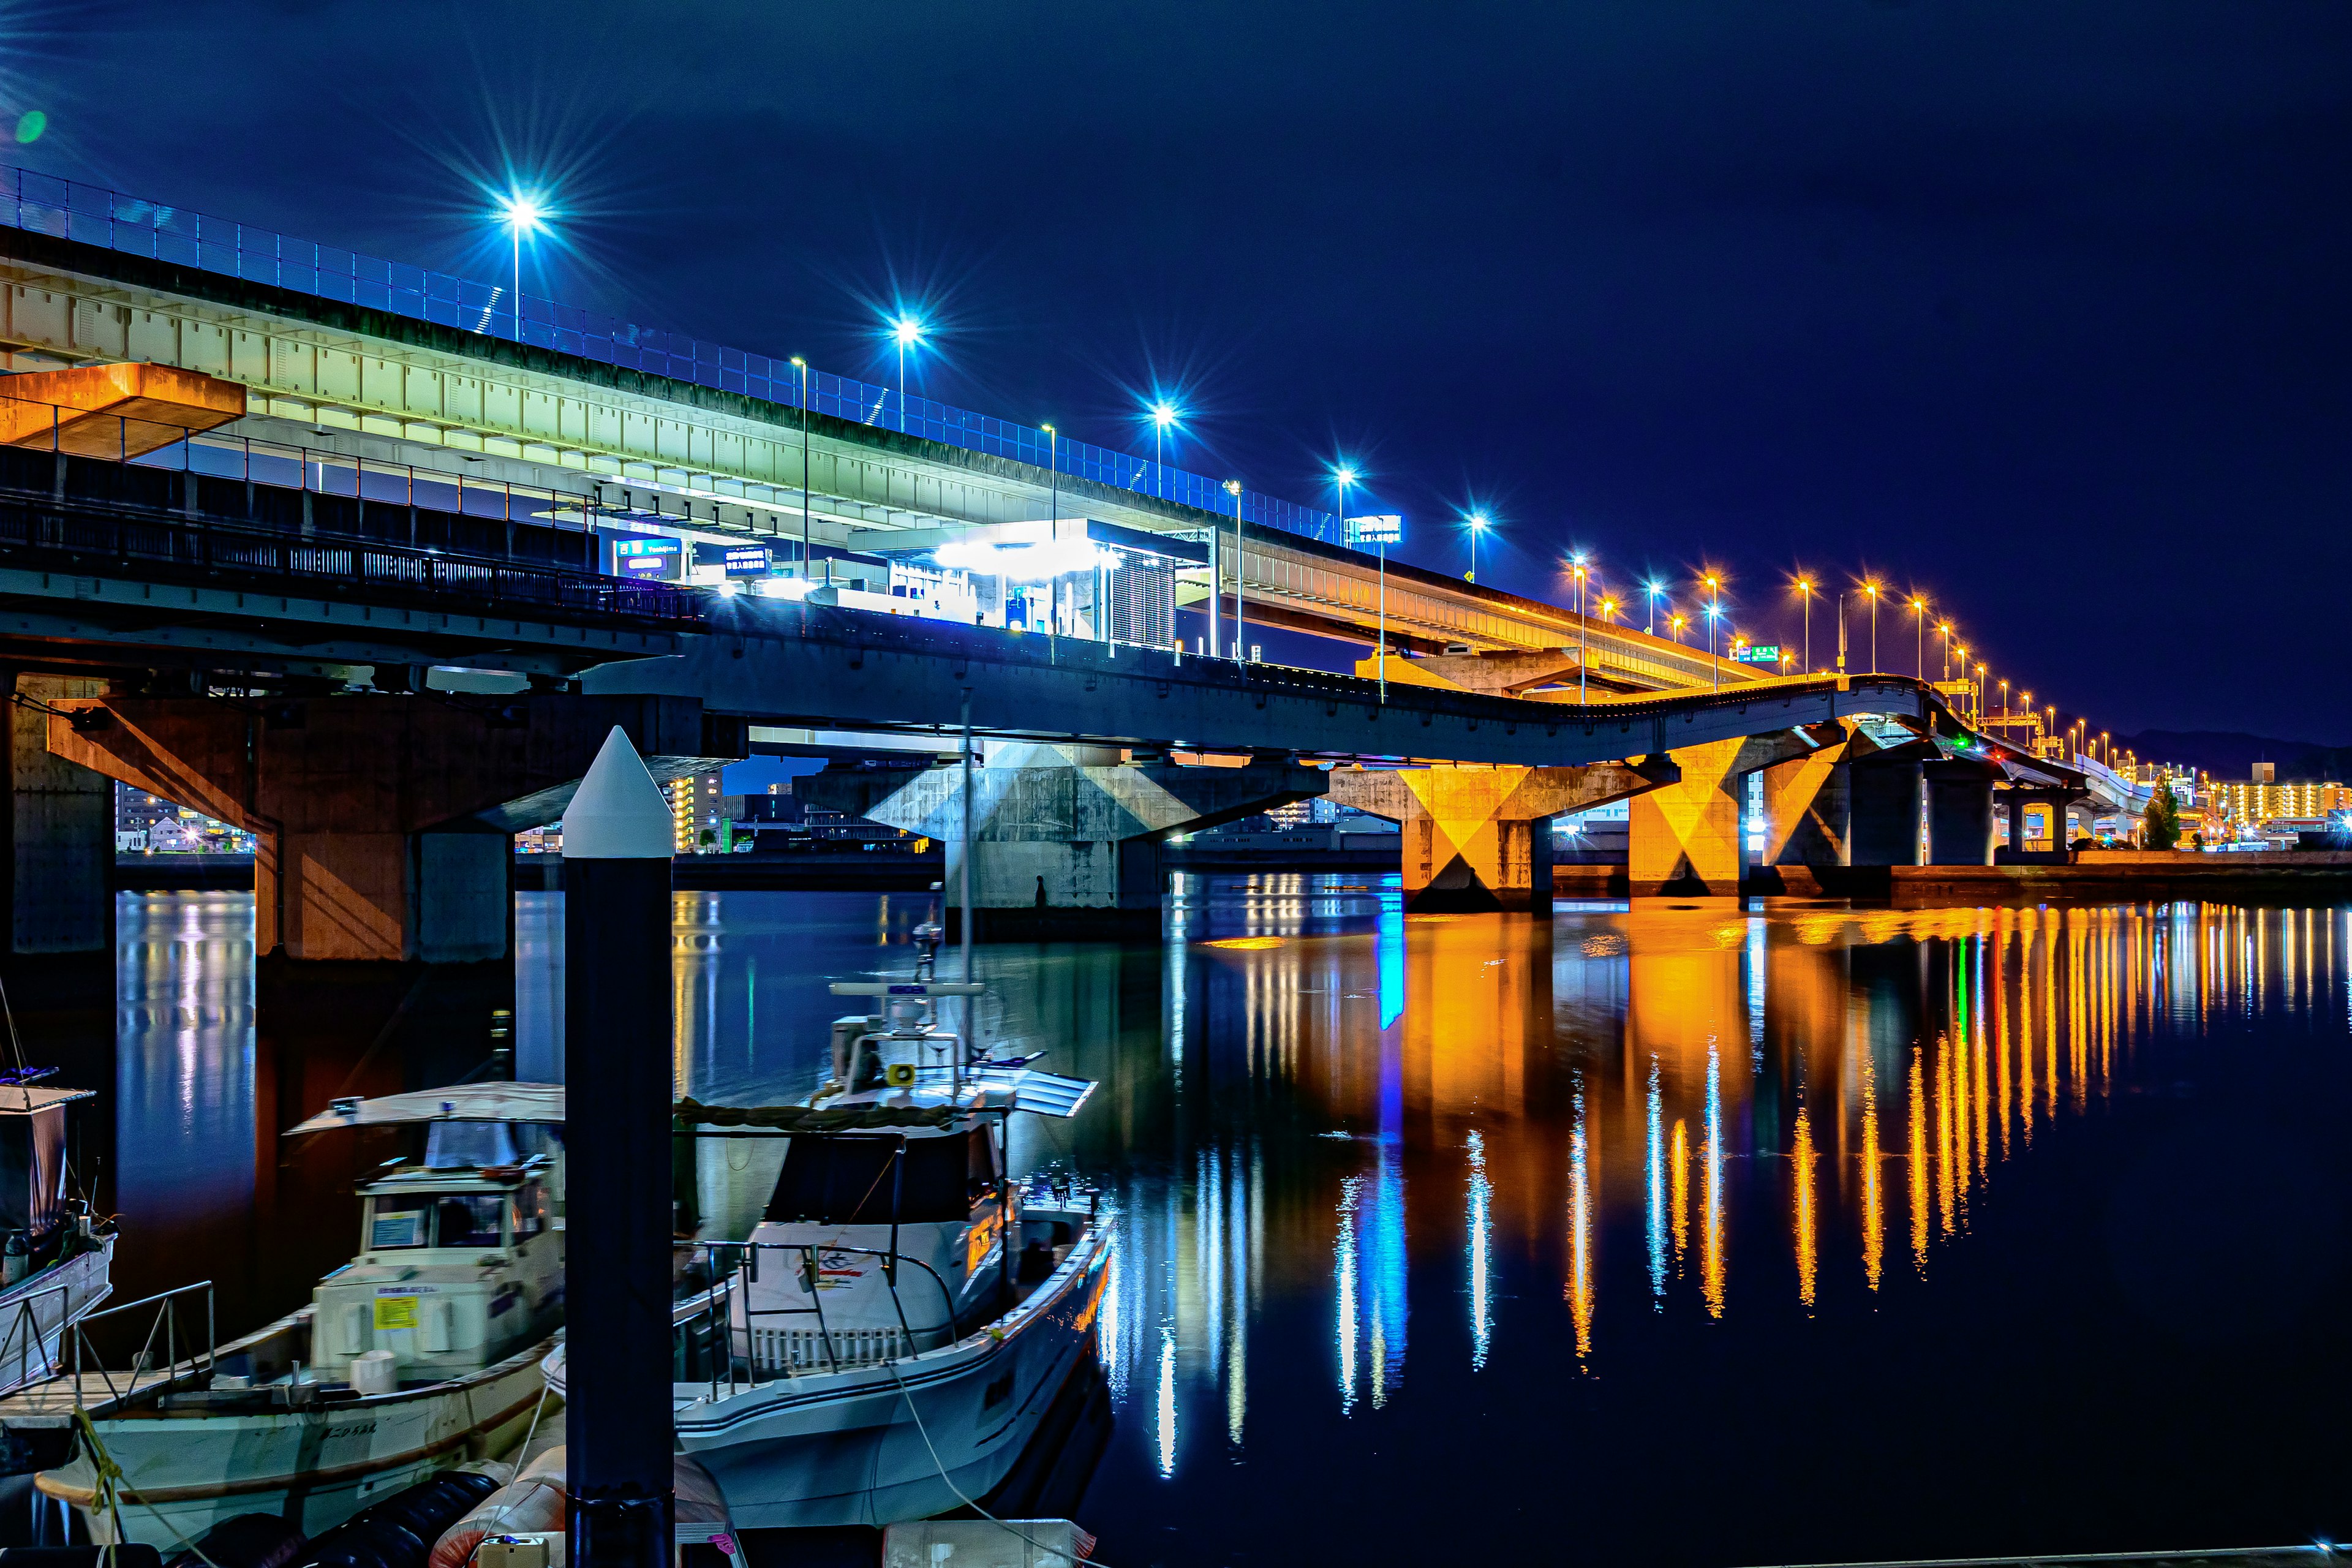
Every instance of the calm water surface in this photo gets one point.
(1693, 1233)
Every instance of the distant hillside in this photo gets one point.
(2229, 755)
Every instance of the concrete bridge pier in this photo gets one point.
(60, 833)
(383, 825)
(1959, 812)
(1068, 836)
(1480, 837)
(1885, 792)
(1685, 837)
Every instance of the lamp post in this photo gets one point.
(1805, 592)
(1944, 630)
(909, 332)
(1241, 648)
(1583, 637)
(1976, 697)
(523, 216)
(1871, 591)
(1054, 514)
(2004, 701)
(1477, 527)
(1713, 586)
(802, 366)
(1919, 636)
(1650, 591)
(1341, 477)
(1608, 618)
(1163, 414)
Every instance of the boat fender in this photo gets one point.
(245, 1541)
(398, 1532)
(15, 1257)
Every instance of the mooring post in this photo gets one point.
(617, 1266)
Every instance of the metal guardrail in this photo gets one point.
(91, 215)
(165, 1325)
(87, 533)
(23, 1340)
(738, 1363)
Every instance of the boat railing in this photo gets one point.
(739, 1358)
(24, 1345)
(167, 1333)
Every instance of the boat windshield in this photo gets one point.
(459, 1219)
(849, 1180)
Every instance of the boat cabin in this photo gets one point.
(460, 1250)
(34, 1209)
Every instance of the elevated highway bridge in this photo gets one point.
(239, 613)
(408, 380)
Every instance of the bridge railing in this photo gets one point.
(93, 215)
(85, 534)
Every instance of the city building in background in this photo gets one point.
(147, 824)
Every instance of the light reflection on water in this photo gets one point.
(1618, 1191)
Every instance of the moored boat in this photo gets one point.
(891, 1335)
(56, 1258)
(422, 1353)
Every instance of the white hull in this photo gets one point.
(186, 1471)
(841, 1448)
(35, 1312)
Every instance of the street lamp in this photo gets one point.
(1650, 591)
(1341, 477)
(906, 332)
(1608, 616)
(802, 366)
(1163, 414)
(522, 215)
(1241, 648)
(1944, 630)
(1583, 640)
(1675, 621)
(1919, 636)
(1714, 612)
(1976, 697)
(1054, 516)
(1477, 527)
(1871, 590)
(2004, 700)
(1805, 588)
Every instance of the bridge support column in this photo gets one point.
(1480, 837)
(1886, 812)
(1808, 820)
(1067, 837)
(2029, 808)
(60, 828)
(1959, 813)
(1685, 837)
(383, 826)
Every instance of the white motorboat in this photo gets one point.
(55, 1259)
(886, 1341)
(422, 1353)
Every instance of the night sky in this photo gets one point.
(2041, 309)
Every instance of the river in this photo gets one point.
(1692, 1233)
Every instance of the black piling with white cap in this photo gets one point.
(616, 1070)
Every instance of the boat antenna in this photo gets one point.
(17, 1049)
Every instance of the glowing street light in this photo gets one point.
(1944, 630)
(1583, 631)
(1478, 525)
(522, 215)
(1650, 591)
(1919, 636)
(801, 365)
(1164, 415)
(1241, 648)
(1341, 477)
(1805, 588)
(1675, 621)
(1713, 613)
(907, 331)
(1870, 591)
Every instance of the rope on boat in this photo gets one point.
(508, 1507)
(106, 1491)
(1030, 1541)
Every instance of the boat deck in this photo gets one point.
(53, 1403)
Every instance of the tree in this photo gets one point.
(2160, 824)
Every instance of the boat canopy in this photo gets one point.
(457, 1102)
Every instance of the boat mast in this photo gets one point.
(955, 1078)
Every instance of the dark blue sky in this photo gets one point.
(2042, 308)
